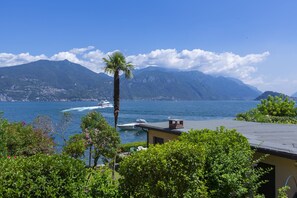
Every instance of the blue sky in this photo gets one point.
(255, 41)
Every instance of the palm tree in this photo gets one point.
(115, 64)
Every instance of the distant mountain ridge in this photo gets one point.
(52, 81)
(66, 81)
(270, 93)
(159, 83)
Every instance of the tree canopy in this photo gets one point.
(275, 109)
(277, 106)
(19, 138)
(100, 135)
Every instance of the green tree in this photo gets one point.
(115, 64)
(277, 106)
(43, 123)
(202, 163)
(272, 110)
(75, 146)
(21, 139)
(100, 135)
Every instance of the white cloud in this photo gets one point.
(279, 84)
(8, 59)
(81, 50)
(226, 63)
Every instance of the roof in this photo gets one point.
(276, 139)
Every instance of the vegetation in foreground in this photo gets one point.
(53, 176)
(203, 163)
(272, 110)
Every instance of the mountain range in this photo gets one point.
(46, 80)
(270, 93)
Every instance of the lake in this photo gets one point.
(151, 111)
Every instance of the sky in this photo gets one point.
(254, 41)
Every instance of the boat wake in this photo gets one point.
(84, 108)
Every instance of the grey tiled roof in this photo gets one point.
(277, 139)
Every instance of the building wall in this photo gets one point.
(166, 136)
(283, 169)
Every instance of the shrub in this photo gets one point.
(203, 163)
(42, 176)
(53, 176)
(228, 166)
(170, 170)
(100, 184)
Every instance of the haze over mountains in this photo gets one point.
(294, 95)
(64, 81)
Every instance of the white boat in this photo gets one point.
(131, 126)
(105, 104)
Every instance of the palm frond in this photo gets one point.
(117, 62)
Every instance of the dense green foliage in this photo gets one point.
(272, 110)
(170, 170)
(282, 192)
(277, 106)
(202, 163)
(100, 135)
(100, 184)
(53, 176)
(75, 146)
(19, 138)
(42, 176)
(228, 164)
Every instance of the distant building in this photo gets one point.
(277, 140)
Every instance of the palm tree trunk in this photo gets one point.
(116, 103)
(116, 97)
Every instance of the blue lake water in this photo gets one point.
(152, 111)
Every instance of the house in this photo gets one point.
(277, 140)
